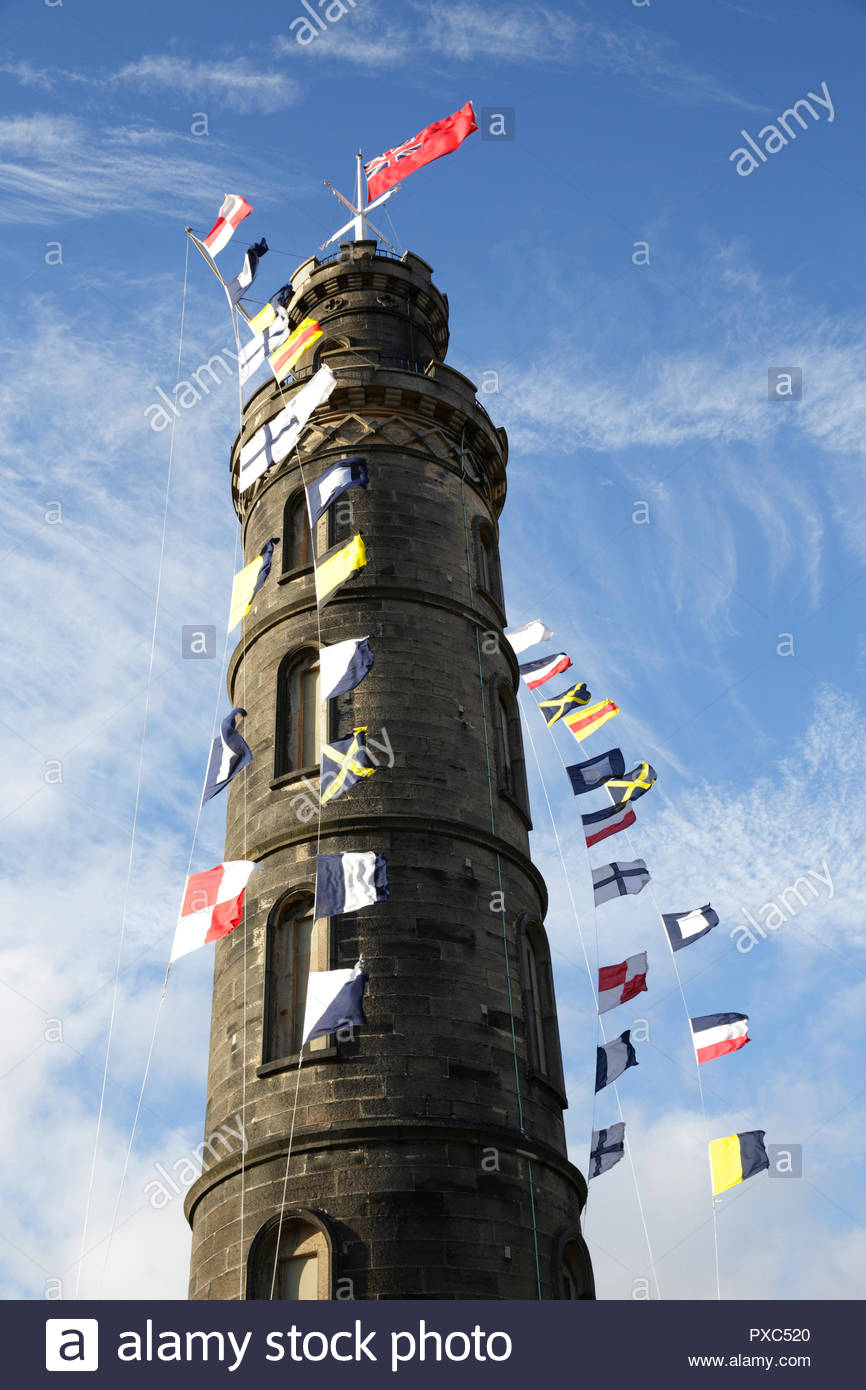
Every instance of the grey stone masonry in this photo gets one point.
(428, 1149)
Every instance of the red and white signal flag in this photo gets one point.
(619, 983)
(231, 215)
(440, 138)
(213, 904)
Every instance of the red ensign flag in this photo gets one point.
(440, 138)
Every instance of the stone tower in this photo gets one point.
(428, 1155)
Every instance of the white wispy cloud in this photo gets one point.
(236, 83)
(55, 166)
(468, 32)
(87, 585)
(233, 84)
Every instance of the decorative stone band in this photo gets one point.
(352, 827)
(254, 632)
(371, 1133)
(466, 425)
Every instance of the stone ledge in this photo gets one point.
(374, 1132)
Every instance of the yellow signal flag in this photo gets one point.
(289, 353)
(737, 1157)
(263, 319)
(337, 565)
(243, 588)
(248, 581)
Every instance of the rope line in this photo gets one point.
(241, 1261)
(654, 901)
(150, 1052)
(695, 1055)
(323, 733)
(131, 858)
(600, 1028)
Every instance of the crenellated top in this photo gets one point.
(372, 301)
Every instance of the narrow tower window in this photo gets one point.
(507, 766)
(534, 1008)
(487, 559)
(297, 944)
(298, 732)
(296, 534)
(510, 764)
(539, 1009)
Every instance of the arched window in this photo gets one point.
(329, 347)
(487, 562)
(297, 552)
(297, 742)
(574, 1269)
(297, 944)
(508, 742)
(301, 1269)
(539, 1007)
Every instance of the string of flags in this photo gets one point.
(345, 882)
(734, 1157)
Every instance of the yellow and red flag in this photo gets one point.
(584, 722)
(285, 357)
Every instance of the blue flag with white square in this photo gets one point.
(228, 755)
(347, 882)
(333, 483)
(238, 287)
(344, 665)
(613, 1059)
(685, 927)
(334, 1000)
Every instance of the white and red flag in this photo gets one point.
(440, 138)
(599, 824)
(619, 983)
(212, 905)
(535, 673)
(714, 1035)
(231, 215)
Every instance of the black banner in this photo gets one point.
(419, 1344)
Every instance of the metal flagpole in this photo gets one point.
(197, 244)
(359, 222)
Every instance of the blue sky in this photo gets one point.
(619, 384)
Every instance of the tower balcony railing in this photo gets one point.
(400, 364)
(380, 252)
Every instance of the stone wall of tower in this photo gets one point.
(395, 1132)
